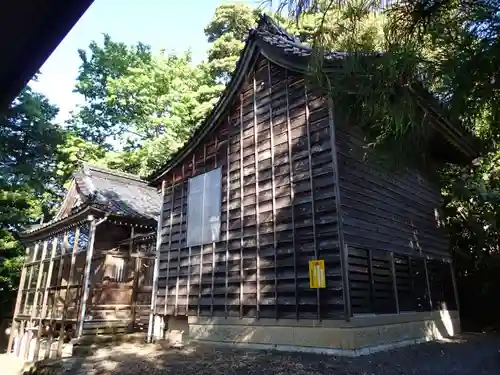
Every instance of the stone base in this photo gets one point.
(362, 335)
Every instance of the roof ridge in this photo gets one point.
(88, 167)
(267, 25)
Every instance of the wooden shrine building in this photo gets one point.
(276, 177)
(88, 271)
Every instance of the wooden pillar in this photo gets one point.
(292, 195)
(202, 246)
(135, 281)
(34, 311)
(427, 281)
(394, 281)
(344, 251)
(170, 224)
(313, 198)
(455, 287)
(257, 212)
(242, 194)
(19, 298)
(228, 187)
(371, 280)
(17, 349)
(154, 289)
(31, 261)
(66, 297)
(43, 311)
(57, 292)
(179, 249)
(212, 307)
(273, 187)
(87, 275)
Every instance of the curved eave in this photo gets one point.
(80, 217)
(253, 47)
(230, 93)
(256, 45)
(73, 219)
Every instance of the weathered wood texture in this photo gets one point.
(278, 210)
(387, 210)
(49, 302)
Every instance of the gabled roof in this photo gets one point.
(121, 193)
(108, 191)
(286, 50)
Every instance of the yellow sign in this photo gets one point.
(317, 274)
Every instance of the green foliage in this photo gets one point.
(227, 32)
(28, 181)
(451, 48)
(98, 121)
(138, 106)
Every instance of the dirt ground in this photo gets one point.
(469, 354)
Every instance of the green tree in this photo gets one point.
(452, 48)
(138, 106)
(28, 179)
(98, 121)
(226, 32)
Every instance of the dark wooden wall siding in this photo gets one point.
(396, 248)
(385, 209)
(278, 210)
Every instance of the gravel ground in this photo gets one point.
(470, 354)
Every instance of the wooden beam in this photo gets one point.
(228, 188)
(371, 280)
(87, 274)
(45, 298)
(292, 195)
(428, 283)
(190, 249)
(32, 266)
(57, 292)
(202, 247)
(241, 206)
(176, 305)
(313, 198)
(455, 286)
(412, 283)
(66, 296)
(394, 281)
(213, 243)
(257, 213)
(19, 298)
(34, 312)
(169, 242)
(17, 349)
(135, 282)
(273, 187)
(343, 249)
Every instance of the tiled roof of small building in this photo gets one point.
(121, 193)
(110, 191)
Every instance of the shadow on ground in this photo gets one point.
(469, 354)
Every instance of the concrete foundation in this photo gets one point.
(362, 335)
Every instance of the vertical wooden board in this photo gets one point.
(67, 297)
(17, 307)
(419, 281)
(169, 201)
(360, 285)
(181, 297)
(384, 298)
(386, 208)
